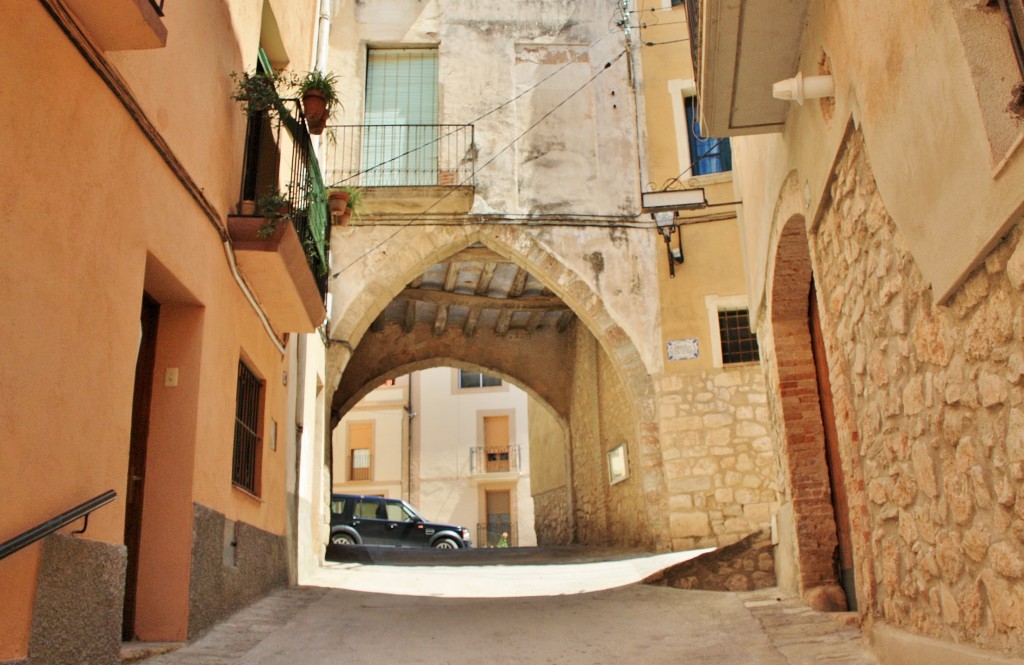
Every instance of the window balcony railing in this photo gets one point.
(493, 460)
(499, 532)
(269, 144)
(400, 155)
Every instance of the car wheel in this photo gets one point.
(342, 539)
(446, 544)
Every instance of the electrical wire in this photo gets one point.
(380, 244)
(536, 85)
(673, 41)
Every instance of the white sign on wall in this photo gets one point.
(683, 349)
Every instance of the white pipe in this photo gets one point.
(323, 35)
(230, 253)
(799, 88)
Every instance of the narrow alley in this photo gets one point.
(632, 624)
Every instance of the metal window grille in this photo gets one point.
(245, 462)
(739, 343)
(360, 467)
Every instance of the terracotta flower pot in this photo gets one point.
(337, 202)
(314, 105)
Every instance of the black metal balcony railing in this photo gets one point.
(494, 460)
(693, 26)
(400, 155)
(158, 5)
(498, 532)
(266, 144)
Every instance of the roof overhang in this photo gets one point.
(745, 47)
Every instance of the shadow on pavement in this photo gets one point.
(498, 556)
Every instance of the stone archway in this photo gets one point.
(382, 271)
(807, 525)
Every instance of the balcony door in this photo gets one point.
(496, 443)
(400, 137)
(499, 517)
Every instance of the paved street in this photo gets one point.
(631, 624)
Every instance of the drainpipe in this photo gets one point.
(323, 35)
(410, 413)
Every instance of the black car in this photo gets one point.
(372, 520)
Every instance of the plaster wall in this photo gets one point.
(450, 424)
(384, 410)
(73, 291)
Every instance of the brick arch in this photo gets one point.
(799, 412)
(383, 273)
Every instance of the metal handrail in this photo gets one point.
(43, 530)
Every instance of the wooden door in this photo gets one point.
(137, 457)
(840, 503)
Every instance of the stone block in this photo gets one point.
(688, 525)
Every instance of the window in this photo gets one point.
(469, 379)
(369, 508)
(707, 155)
(739, 344)
(496, 443)
(677, 3)
(400, 114)
(732, 340)
(360, 446)
(245, 462)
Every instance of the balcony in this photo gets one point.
(740, 48)
(404, 169)
(286, 261)
(494, 463)
(120, 25)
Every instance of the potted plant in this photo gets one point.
(344, 202)
(316, 89)
(256, 91)
(272, 208)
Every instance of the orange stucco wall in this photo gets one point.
(92, 218)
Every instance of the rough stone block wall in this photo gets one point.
(937, 397)
(79, 603)
(602, 417)
(219, 587)
(743, 566)
(717, 456)
(552, 520)
(588, 466)
(627, 514)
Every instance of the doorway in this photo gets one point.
(840, 503)
(499, 518)
(141, 400)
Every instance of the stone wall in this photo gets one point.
(929, 410)
(743, 566)
(717, 455)
(79, 603)
(553, 517)
(233, 564)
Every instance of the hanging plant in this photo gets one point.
(272, 208)
(256, 91)
(317, 90)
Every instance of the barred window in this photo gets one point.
(739, 343)
(245, 463)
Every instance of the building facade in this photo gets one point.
(881, 243)
(452, 442)
(154, 349)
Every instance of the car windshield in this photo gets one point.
(413, 515)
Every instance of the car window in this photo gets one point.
(338, 505)
(399, 513)
(367, 509)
